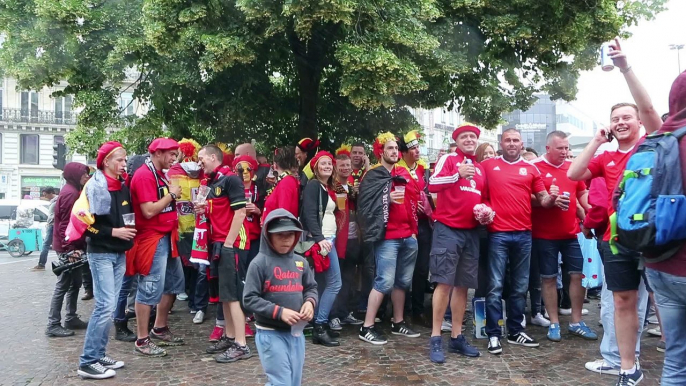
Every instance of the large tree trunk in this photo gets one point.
(310, 57)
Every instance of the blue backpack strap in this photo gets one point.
(678, 134)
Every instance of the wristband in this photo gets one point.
(624, 71)
(173, 196)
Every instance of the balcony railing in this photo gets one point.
(39, 116)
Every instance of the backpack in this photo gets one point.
(649, 201)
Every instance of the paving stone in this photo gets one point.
(30, 358)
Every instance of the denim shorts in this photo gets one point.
(395, 261)
(165, 277)
(548, 252)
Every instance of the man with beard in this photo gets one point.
(622, 274)
(411, 160)
(154, 255)
(388, 206)
(512, 183)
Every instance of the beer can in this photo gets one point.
(605, 60)
(566, 194)
(468, 162)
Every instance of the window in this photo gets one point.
(29, 106)
(1, 112)
(29, 149)
(126, 104)
(63, 109)
(0, 147)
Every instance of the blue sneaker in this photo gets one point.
(583, 331)
(436, 346)
(554, 332)
(630, 380)
(460, 345)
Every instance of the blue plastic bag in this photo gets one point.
(593, 266)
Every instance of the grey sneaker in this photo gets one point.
(149, 349)
(234, 354)
(58, 331)
(166, 338)
(335, 324)
(95, 371)
(351, 320)
(221, 345)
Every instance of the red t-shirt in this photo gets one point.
(457, 196)
(227, 195)
(144, 188)
(286, 195)
(402, 218)
(555, 223)
(610, 165)
(510, 186)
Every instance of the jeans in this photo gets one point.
(108, 272)
(368, 268)
(670, 296)
(282, 356)
(120, 311)
(535, 283)
(395, 261)
(608, 346)
(165, 276)
(421, 268)
(513, 249)
(330, 281)
(200, 295)
(346, 297)
(87, 278)
(68, 283)
(47, 244)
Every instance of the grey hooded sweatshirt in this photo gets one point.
(276, 281)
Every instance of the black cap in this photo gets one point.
(284, 224)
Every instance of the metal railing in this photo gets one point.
(38, 116)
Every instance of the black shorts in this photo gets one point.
(454, 256)
(621, 270)
(228, 280)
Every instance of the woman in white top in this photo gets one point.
(319, 221)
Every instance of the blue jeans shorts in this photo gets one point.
(395, 261)
(165, 277)
(548, 251)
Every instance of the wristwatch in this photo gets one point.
(173, 196)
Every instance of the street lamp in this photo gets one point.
(677, 47)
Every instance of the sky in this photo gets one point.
(650, 58)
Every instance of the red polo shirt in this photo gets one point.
(510, 186)
(555, 223)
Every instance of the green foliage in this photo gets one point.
(276, 71)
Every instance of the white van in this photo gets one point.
(8, 214)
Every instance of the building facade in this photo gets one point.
(31, 123)
(546, 116)
(438, 126)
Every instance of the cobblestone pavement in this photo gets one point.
(28, 357)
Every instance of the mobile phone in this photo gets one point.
(609, 136)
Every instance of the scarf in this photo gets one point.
(94, 200)
(278, 179)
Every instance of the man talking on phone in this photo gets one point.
(622, 274)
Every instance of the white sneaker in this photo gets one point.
(539, 320)
(653, 320)
(199, 317)
(568, 311)
(446, 326)
(654, 331)
(523, 321)
(182, 297)
(95, 371)
(601, 367)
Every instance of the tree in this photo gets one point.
(276, 71)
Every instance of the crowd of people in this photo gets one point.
(311, 238)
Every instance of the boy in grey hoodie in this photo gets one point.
(280, 290)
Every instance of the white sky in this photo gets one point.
(651, 59)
